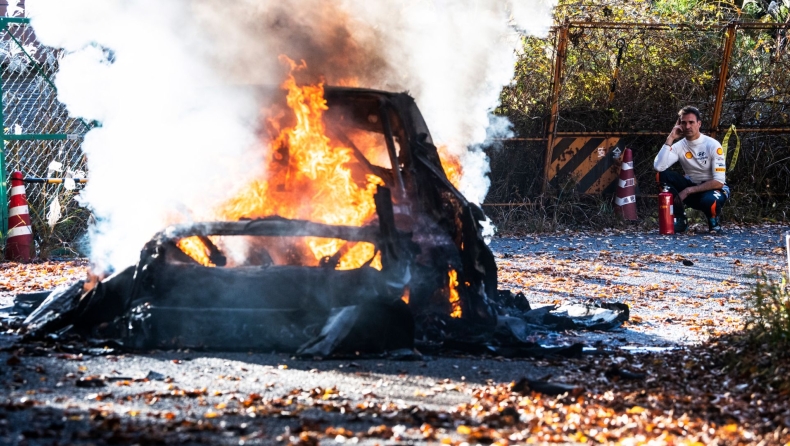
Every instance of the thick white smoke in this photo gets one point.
(455, 56)
(174, 140)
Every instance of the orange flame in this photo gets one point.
(406, 295)
(451, 165)
(310, 177)
(195, 248)
(455, 298)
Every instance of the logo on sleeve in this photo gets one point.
(719, 151)
(720, 169)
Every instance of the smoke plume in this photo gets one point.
(166, 80)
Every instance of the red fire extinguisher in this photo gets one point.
(666, 212)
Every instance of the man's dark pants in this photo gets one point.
(710, 202)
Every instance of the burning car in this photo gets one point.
(357, 227)
(355, 241)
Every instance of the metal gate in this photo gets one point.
(595, 82)
(571, 155)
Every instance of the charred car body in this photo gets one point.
(423, 228)
(430, 275)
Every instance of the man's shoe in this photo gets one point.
(713, 226)
(680, 225)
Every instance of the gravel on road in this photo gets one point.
(681, 289)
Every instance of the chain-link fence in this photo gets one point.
(659, 69)
(39, 138)
(627, 80)
(605, 79)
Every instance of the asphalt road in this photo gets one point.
(681, 288)
(199, 397)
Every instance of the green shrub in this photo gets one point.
(768, 319)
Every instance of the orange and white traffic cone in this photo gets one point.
(625, 198)
(20, 234)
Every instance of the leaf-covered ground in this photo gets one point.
(683, 288)
(723, 391)
(21, 278)
(686, 397)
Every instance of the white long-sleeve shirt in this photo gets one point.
(702, 159)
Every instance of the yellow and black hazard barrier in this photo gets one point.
(586, 161)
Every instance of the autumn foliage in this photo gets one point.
(661, 70)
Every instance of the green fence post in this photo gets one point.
(3, 184)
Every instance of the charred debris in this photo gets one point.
(435, 287)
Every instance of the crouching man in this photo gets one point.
(702, 159)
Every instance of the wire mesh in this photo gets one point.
(41, 140)
(661, 70)
(515, 174)
(525, 100)
(758, 87)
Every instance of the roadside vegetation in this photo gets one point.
(761, 352)
(769, 312)
(661, 70)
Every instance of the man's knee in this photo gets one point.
(710, 202)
